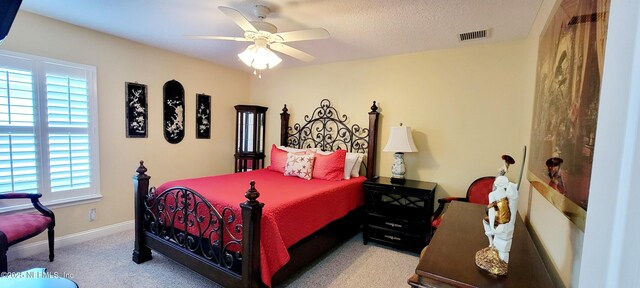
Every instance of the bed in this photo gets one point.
(212, 226)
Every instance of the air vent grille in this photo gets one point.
(595, 17)
(473, 35)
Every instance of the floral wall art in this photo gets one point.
(203, 116)
(173, 111)
(136, 110)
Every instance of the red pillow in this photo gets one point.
(278, 159)
(329, 167)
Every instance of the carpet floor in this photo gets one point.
(106, 262)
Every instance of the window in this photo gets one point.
(48, 129)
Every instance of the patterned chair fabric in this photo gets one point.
(15, 228)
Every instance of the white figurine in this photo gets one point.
(499, 226)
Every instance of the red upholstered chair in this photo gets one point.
(478, 192)
(15, 228)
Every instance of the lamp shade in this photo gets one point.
(400, 140)
(259, 57)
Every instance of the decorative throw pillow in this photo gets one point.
(329, 167)
(278, 159)
(299, 165)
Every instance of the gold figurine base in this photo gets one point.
(489, 260)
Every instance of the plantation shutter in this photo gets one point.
(48, 130)
(68, 127)
(18, 154)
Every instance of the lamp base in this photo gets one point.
(397, 168)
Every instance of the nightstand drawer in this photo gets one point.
(417, 228)
(412, 242)
(399, 205)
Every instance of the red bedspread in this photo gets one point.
(294, 208)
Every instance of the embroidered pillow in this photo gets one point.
(299, 165)
(329, 167)
(278, 159)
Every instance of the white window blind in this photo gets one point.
(48, 121)
(18, 159)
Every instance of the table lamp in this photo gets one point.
(400, 142)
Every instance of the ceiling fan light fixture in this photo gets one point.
(259, 57)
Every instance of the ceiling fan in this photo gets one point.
(265, 35)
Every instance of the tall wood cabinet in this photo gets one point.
(250, 126)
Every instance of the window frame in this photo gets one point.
(39, 66)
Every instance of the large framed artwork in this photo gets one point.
(569, 72)
(203, 116)
(136, 110)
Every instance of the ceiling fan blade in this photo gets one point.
(239, 39)
(293, 52)
(237, 17)
(302, 35)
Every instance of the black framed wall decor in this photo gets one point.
(173, 111)
(203, 116)
(136, 110)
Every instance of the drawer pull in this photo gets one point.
(392, 237)
(393, 224)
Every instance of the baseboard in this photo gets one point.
(30, 249)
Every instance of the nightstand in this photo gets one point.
(398, 215)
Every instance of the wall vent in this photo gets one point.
(473, 35)
(587, 18)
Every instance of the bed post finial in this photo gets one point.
(141, 169)
(252, 194)
(374, 108)
(284, 126)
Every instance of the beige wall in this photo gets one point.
(467, 106)
(463, 104)
(118, 61)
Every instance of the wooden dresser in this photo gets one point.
(449, 260)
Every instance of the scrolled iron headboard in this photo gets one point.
(328, 130)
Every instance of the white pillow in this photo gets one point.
(355, 172)
(350, 162)
(291, 150)
(296, 150)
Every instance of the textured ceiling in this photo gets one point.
(359, 28)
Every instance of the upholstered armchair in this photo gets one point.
(478, 192)
(15, 228)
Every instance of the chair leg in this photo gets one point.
(51, 234)
(4, 246)
(3, 261)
